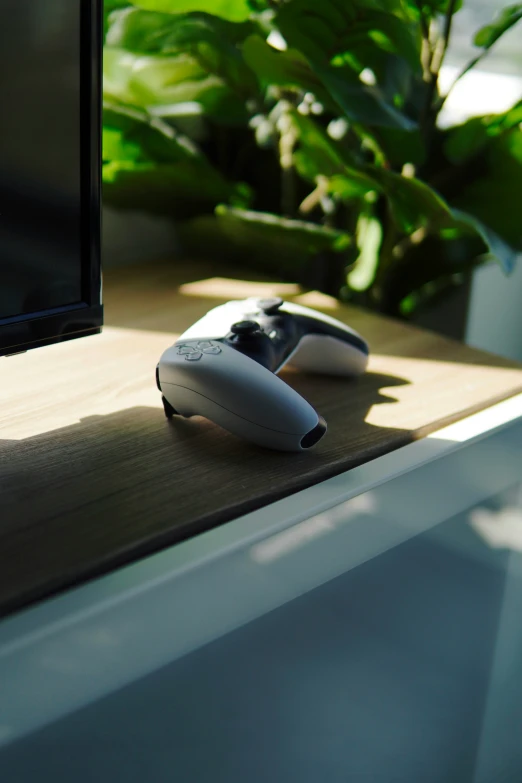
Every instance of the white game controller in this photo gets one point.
(225, 368)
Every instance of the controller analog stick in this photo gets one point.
(271, 305)
(244, 328)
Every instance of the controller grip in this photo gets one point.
(241, 396)
(319, 353)
(190, 403)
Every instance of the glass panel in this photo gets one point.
(406, 668)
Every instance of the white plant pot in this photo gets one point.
(494, 321)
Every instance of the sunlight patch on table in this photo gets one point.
(225, 288)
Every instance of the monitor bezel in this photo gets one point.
(32, 330)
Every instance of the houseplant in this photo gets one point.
(302, 137)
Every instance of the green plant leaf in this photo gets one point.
(148, 165)
(466, 140)
(504, 21)
(472, 137)
(151, 32)
(109, 6)
(324, 31)
(349, 187)
(174, 190)
(485, 179)
(497, 249)
(400, 146)
(284, 233)
(393, 75)
(160, 83)
(210, 42)
(359, 102)
(151, 80)
(285, 69)
(489, 186)
(432, 7)
(156, 140)
(420, 264)
(117, 147)
(285, 249)
(369, 238)
(429, 294)
(315, 154)
(318, 157)
(413, 203)
(142, 32)
(233, 10)
(330, 34)
(112, 5)
(395, 36)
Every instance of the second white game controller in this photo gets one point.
(225, 367)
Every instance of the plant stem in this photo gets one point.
(287, 141)
(313, 200)
(448, 21)
(424, 26)
(427, 52)
(287, 192)
(386, 259)
(436, 63)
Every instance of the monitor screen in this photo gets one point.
(46, 50)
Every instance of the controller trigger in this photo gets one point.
(270, 305)
(168, 408)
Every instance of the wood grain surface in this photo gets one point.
(92, 475)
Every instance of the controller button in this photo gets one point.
(244, 327)
(207, 347)
(193, 357)
(271, 305)
(183, 349)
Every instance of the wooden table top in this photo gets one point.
(92, 475)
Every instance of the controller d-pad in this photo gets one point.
(190, 353)
(185, 349)
(207, 347)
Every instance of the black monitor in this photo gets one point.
(50, 84)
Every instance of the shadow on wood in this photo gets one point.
(85, 498)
